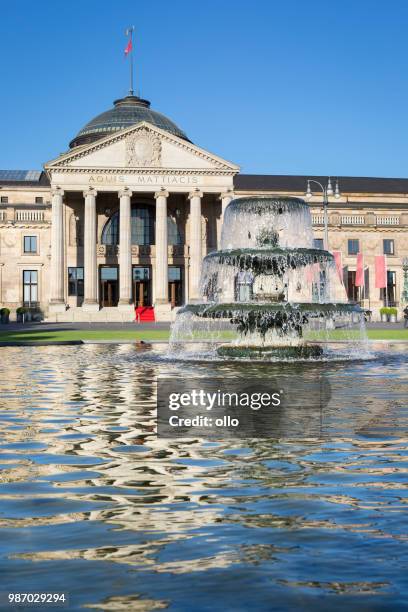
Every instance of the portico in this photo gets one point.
(134, 229)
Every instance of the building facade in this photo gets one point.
(124, 218)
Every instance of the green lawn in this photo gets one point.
(50, 336)
(43, 335)
(388, 334)
(344, 335)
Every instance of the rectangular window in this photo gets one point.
(4, 199)
(39, 199)
(318, 243)
(30, 288)
(141, 273)
(30, 244)
(109, 273)
(356, 294)
(389, 295)
(76, 282)
(388, 246)
(174, 273)
(353, 246)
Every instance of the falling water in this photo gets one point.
(268, 290)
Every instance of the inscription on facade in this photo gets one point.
(142, 179)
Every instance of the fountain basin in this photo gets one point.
(262, 205)
(302, 351)
(284, 320)
(275, 260)
(311, 309)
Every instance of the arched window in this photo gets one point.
(110, 233)
(142, 227)
(173, 232)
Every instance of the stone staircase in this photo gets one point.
(108, 315)
(105, 315)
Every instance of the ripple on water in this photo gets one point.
(301, 524)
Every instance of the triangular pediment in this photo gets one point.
(141, 147)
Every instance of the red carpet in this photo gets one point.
(144, 314)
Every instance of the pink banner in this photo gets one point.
(380, 272)
(312, 272)
(360, 271)
(339, 265)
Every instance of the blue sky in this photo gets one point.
(278, 87)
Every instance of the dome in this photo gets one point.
(127, 111)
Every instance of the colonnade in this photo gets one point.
(57, 299)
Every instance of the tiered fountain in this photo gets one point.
(267, 293)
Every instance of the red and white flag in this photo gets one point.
(380, 272)
(360, 271)
(129, 47)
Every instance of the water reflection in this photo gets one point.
(91, 499)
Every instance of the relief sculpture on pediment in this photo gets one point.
(143, 149)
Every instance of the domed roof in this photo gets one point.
(127, 111)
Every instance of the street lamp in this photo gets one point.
(327, 191)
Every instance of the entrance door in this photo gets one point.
(175, 286)
(352, 290)
(109, 286)
(142, 293)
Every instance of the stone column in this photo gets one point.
(90, 266)
(125, 250)
(195, 245)
(162, 274)
(57, 301)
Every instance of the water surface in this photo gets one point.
(93, 504)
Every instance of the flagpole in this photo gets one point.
(131, 63)
(129, 32)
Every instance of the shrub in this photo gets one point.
(4, 312)
(392, 311)
(22, 310)
(384, 310)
